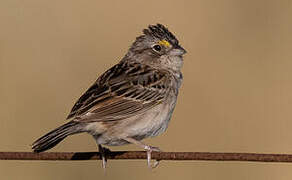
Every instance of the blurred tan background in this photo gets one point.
(236, 95)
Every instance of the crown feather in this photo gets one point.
(161, 32)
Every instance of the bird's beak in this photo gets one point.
(182, 50)
(178, 51)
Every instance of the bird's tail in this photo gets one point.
(52, 138)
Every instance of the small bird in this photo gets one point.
(131, 101)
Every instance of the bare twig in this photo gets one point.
(203, 156)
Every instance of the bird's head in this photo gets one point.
(157, 47)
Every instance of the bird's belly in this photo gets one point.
(149, 124)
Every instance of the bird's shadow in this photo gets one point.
(96, 155)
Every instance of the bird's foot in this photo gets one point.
(149, 150)
(103, 151)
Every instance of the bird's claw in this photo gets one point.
(149, 150)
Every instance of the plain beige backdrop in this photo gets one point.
(236, 95)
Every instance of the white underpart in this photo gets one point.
(149, 124)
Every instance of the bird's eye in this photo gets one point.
(157, 48)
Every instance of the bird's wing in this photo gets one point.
(125, 90)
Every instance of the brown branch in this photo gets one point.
(203, 156)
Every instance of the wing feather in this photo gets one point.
(125, 90)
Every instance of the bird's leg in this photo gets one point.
(102, 152)
(149, 150)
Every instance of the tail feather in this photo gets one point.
(54, 137)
